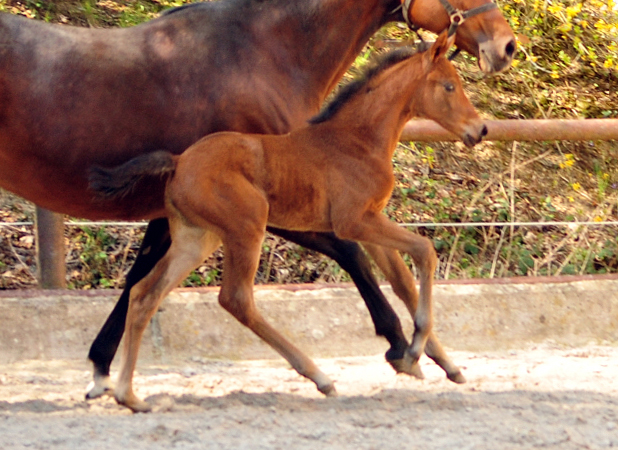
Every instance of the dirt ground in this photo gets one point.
(544, 396)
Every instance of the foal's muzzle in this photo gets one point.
(471, 139)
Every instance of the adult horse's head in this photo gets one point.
(482, 31)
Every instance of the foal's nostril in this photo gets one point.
(509, 50)
(484, 131)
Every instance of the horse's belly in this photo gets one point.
(299, 219)
(72, 197)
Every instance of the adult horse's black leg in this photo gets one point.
(350, 256)
(155, 244)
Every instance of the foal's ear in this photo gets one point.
(441, 46)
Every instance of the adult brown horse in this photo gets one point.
(332, 175)
(71, 98)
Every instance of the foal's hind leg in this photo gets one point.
(398, 275)
(155, 244)
(242, 252)
(190, 246)
(374, 228)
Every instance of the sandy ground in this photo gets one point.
(541, 397)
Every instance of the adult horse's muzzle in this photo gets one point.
(474, 134)
(497, 55)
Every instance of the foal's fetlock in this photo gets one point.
(417, 347)
(325, 385)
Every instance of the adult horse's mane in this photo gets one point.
(167, 12)
(206, 4)
(349, 90)
(304, 13)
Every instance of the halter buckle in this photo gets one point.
(457, 18)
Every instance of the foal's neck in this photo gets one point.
(377, 114)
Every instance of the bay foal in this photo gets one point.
(333, 175)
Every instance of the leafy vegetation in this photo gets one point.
(566, 67)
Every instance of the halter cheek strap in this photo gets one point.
(456, 16)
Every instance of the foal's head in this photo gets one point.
(440, 95)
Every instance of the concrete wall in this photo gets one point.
(324, 320)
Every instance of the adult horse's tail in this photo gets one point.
(119, 181)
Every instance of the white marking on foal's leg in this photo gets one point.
(324, 384)
(101, 385)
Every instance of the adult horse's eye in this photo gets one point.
(449, 87)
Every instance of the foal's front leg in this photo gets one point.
(399, 276)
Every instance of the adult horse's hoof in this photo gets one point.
(456, 377)
(99, 387)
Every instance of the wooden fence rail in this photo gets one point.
(521, 130)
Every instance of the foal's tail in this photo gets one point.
(119, 181)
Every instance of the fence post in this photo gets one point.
(50, 252)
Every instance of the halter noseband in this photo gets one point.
(456, 16)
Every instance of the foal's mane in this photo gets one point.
(350, 90)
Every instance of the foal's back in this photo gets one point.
(289, 173)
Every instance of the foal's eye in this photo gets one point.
(449, 87)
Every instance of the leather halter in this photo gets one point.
(456, 16)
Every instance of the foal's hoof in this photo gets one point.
(456, 377)
(99, 387)
(328, 390)
(134, 404)
(408, 366)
